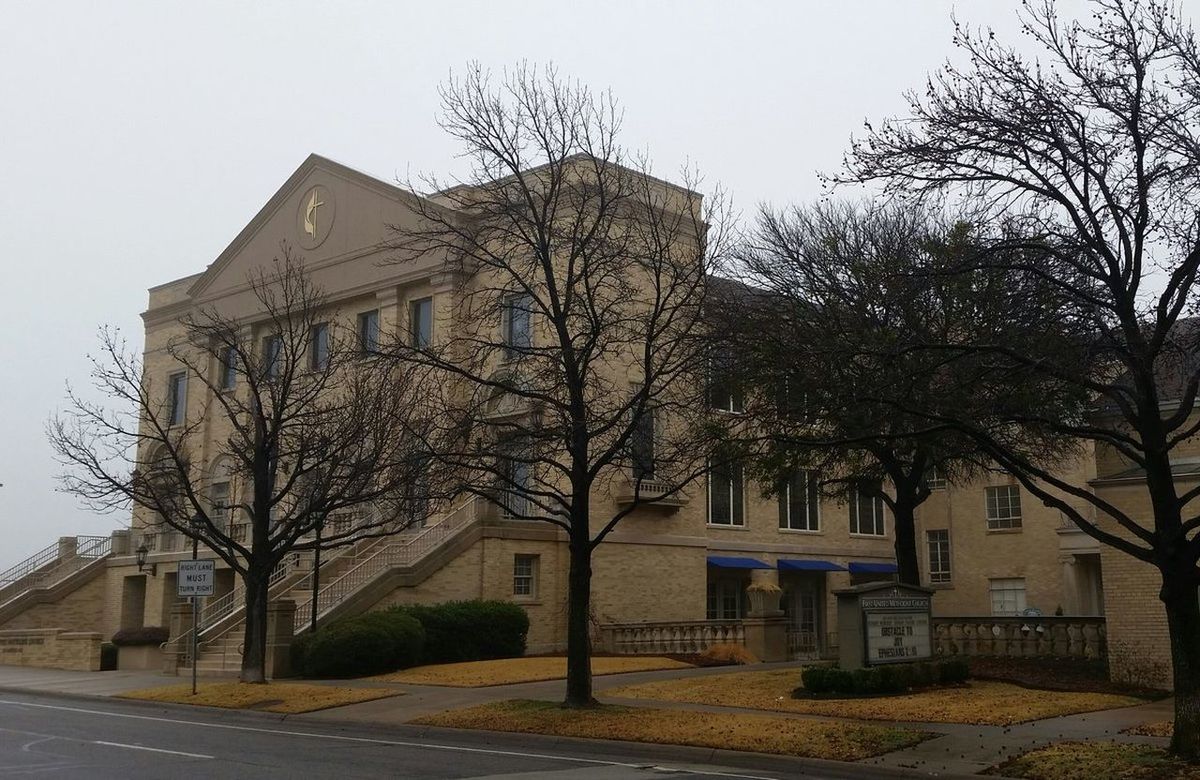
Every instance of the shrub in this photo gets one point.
(108, 657)
(373, 643)
(876, 680)
(469, 630)
(953, 672)
(146, 635)
(726, 655)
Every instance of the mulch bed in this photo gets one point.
(1056, 674)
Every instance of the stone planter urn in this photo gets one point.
(764, 599)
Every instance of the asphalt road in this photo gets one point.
(57, 737)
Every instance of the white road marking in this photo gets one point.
(368, 740)
(152, 750)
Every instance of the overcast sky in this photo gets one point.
(137, 139)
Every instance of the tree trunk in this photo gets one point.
(904, 516)
(254, 647)
(579, 650)
(1183, 624)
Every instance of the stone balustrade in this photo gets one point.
(1018, 637)
(680, 638)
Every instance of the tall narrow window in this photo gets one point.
(368, 332)
(318, 347)
(725, 499)
(724, 391)
(421, 322)
(518, 332)
(641, 446)
(517, 473)
(799, 503)
(272, 352)
(866, 514)
(939, 556)
(525, 576)
(1003, 507)
(177, 395)
(726, 599)
(228, 360)
(218, 499)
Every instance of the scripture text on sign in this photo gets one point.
(897, 636)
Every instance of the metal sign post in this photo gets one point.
(195, 579)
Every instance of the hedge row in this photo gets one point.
(373, 643)
(893, 678)
(470, 630)
(400, 637)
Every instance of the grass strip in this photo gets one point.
(509, 671)
(273, 697)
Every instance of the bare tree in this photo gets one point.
(843, 296)
(1092, 156)
(568, 368)
(284, 423)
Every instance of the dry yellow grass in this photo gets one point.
(728, 731)
(1097, 761)
(984, 702)
(274, 697)
(1162, 728)
(506, 671)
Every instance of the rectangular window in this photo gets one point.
(518, 332)
(421, 322)
(1008, 596)
(935, 479)
(641, 446)
(272, 351)
(517, 473)
(525, 576)
(799, 503)
(218, 499)
(1003, 507)
(939, 556)
(726, 600)
(725, 499)
(368, 332)
(724, 391)
(866, 514)
(177, 397)
(318, 347)
(228, 365)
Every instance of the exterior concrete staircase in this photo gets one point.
(51, 573)
(354, 577)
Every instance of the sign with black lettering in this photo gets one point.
(196, 578)
(894, 637)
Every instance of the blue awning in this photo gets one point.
(860, 567)
(795, 564)
(725, 562)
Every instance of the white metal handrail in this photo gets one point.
(391, 555)
(43, 568)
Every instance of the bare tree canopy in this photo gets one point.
(255, 434)
(1090, 156)
(567, 369)
(828, 336)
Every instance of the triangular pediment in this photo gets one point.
(325, 213)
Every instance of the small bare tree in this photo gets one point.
(569, 369)
(294, 424)
(1091, 157)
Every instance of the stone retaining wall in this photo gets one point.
(51, 648)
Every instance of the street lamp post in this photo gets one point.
(316, 578)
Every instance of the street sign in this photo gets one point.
(196, 578)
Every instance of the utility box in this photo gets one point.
(883, 623)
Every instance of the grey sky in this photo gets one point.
(137, 139)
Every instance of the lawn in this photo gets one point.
(506, 671)
(1097, 761)
(980, 702)
(273, 697)
(728, 731)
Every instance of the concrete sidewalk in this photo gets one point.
(961, 749)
